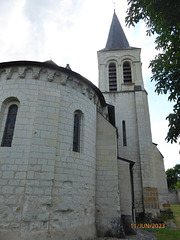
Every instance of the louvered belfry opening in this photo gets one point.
(112, 77)
(127, 72)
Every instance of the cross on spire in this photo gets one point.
(114, 4)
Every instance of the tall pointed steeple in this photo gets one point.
(116, 38)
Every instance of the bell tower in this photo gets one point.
(120, 80)
(119, 64)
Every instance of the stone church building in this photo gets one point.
(77, 161)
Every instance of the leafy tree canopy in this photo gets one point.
(173, 177)
(163, 18)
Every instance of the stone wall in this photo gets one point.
(126, 197)
(125, 187)
(174, 196)
(108, 215)
(46, 187)
(178, 193)
(151, 200)
(161, 182)
(125, 110)
(131, 107)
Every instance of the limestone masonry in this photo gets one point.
(77, 161)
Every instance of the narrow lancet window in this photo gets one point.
(9, 127)
(124, 133)
(127, 72)
(76, 132)
(112, 77)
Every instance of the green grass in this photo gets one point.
(169, 233)
(176, 211)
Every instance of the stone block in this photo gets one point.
(20, 175)
(7, 189)
(8, 175)
(43, 217)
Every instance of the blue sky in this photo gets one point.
(72, 31)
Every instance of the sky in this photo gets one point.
(71, 32)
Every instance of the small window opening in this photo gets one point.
(76, 132)
(124, 133)
(127, 72)
(112, 77)
(9, 126)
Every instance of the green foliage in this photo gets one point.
(173, 177)
(163, 18)
(177, 185)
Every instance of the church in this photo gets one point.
(77, 161)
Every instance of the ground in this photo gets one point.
(170, 232)
(141, 235)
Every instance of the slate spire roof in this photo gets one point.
(116, 38)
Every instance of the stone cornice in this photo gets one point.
(53, 73)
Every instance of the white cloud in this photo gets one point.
(14, 31)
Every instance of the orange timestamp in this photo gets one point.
(148, 225)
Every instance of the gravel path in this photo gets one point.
(141, 235)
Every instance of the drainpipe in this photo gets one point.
(132, 191)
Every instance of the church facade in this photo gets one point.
(77, 161)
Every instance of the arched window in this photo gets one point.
(124, 133)
(127, 72)
(9, 126)
(76, 131)
(112, 77)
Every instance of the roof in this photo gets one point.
(116, 38)
(155, 144)
(50, 64)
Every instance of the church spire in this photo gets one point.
(116, 38)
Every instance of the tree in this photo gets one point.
(177, 185)
(163, 18)
(173, 177)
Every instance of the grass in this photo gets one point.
(170, 233)
(176, 211)
(167, 234)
